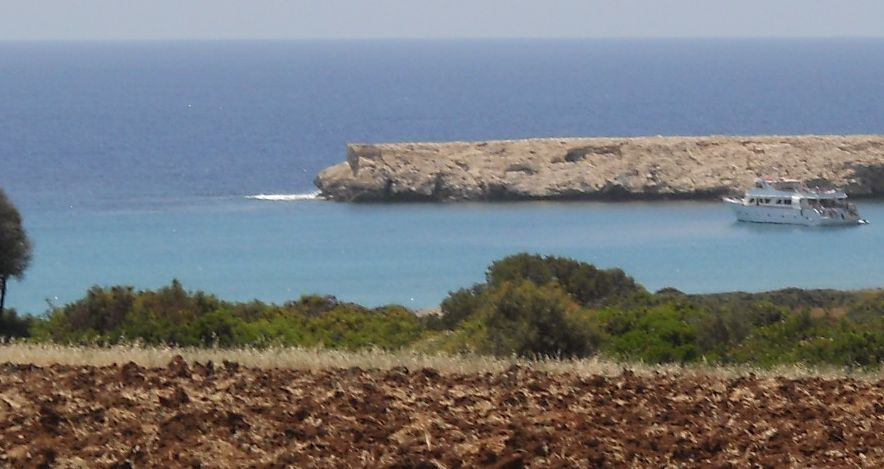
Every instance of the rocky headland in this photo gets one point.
(601, 168)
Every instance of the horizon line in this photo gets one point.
(429, 39)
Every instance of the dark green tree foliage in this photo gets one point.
(15, 248)
(535, 321)
(313, 305)
(458, 306)
(583, 282)
(13, 326)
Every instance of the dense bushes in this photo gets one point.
(528, 306)
(586, 284)
(534, 320)
(656, 335)
(584, 310)
(13, 326)
(171, 315)
(535, 306)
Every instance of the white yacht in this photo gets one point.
(787, 201)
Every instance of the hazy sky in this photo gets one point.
(258, 19)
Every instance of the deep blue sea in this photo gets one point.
(133, 163)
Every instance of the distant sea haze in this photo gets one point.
(139, 162)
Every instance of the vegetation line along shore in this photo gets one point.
(530, 306)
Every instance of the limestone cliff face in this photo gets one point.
(600, 168)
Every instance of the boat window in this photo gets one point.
(767, 201)
(752, 200)
(779, 202)
(788, 201)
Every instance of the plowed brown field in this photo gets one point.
(225, 415)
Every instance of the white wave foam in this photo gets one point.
(285, 197)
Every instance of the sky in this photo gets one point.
(368, 19)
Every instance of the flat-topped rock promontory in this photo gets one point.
(601, 168)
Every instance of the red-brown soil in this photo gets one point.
(223, 415)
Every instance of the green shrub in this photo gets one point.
(530, 320)
(460, 305)
(870, 307)
(13, 326)
(351, 328)
(172, 315)
(781, 342)
(854, 346)
(584, 282)
(312, 305)
(658, 335)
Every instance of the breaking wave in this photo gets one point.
(285, 197)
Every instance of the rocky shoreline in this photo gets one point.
(600, 168)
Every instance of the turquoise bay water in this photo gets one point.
(414, 254)
(132, 162)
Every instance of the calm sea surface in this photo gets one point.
(132, 163)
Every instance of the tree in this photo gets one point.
(15, 249)
(536, 321)
(582, 281)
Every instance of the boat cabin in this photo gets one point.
(781, 184)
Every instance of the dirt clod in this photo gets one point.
(178, 368)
